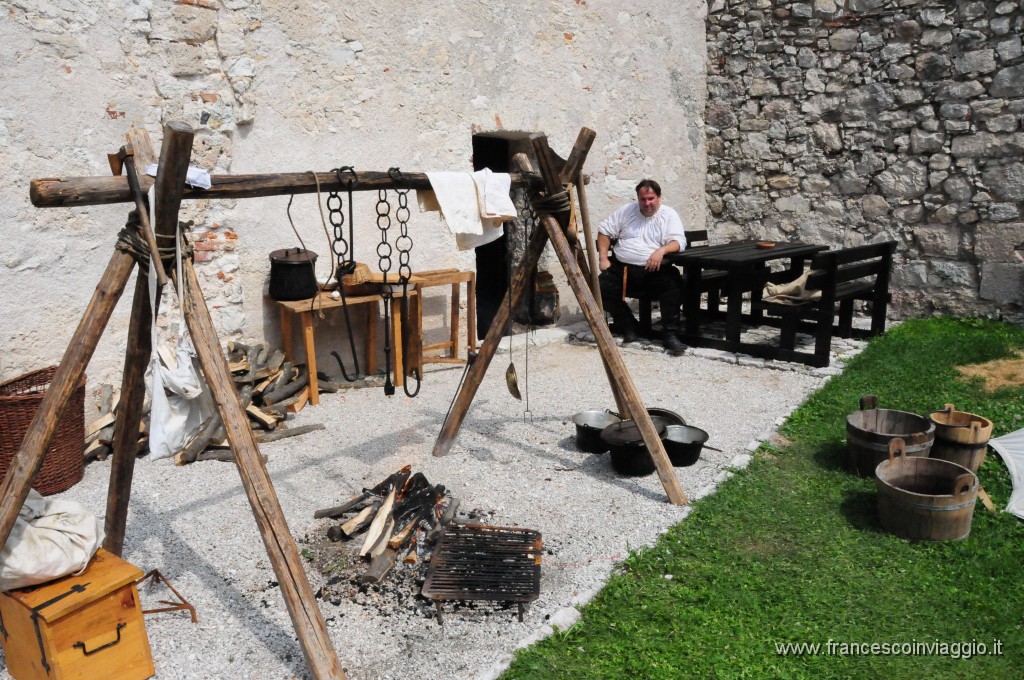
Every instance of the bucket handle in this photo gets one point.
(975, 429)
(963, 484)
(897, 447)
(868, 402)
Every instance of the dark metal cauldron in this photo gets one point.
(683, 444)
(629, 454)
(292, 274)
(588, 429)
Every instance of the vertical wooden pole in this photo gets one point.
(588, 236)
(29, 458)
(284, 556)
(133, 385)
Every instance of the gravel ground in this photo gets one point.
(194, 523)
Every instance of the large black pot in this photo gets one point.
(671, 417)
(588, 429)
(683, 444)
(292, 274)
(629, 454)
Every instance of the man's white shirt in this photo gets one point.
(639, 236)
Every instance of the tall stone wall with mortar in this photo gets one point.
(273, 86)
(853, 121)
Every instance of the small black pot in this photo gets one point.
(683, 444)
(588, 429)
(292, 274)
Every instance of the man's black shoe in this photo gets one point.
(629, 335)
(673, 344)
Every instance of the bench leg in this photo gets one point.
(823, 337)
(845, 329)
(453, 349)
(878, 308)
(471, 313)
(787, 339)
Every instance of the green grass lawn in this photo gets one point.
(791, 550)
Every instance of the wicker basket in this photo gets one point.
(64, 463)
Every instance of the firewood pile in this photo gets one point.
(269, 389)
(397, 521)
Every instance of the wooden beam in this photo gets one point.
(284, 555)
(76, 191)
(29, 458)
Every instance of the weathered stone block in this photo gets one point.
(926, 142)
(978, 61)
(954, 111)
(933, 17)
(941, 240)
(1007, 123)
(185, 59)
(874, 206)
(794, 204)
(182, 23)
(958, 188)
(998, 241)
(988, 145)
(1006, 182)
(987, 108)
(1010, 49)
(903, 180)
(908, 214)
(1002, 282)
(950, 273)
(1003, 211)
(763, 87)
(959, 90)
(932, 66)
(844, 40)
(1009, 82)
(936, 38)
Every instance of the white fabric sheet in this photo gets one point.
(473, 205)
(1011, 448)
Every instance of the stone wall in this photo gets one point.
(852, 121)
(274, 86)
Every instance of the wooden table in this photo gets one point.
(305, 310)
(747, 267)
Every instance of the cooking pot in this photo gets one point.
(683, 444)
(671, 417)
(629, 454)
(292, 274)
(588, 429)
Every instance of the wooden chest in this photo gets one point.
(82, 627)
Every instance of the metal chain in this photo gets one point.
(404, 245)
(384, 249)
(343, 249)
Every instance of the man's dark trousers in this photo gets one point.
(665, 285)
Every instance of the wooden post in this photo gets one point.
(595, 265)
(29, 458)
(133, 387)
(284, 556)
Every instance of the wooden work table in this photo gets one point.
(305, 309)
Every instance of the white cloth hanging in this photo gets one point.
(181, 401)
(473, 205)
(1011, 448)
(50, 538)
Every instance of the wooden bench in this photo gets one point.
(843, 277)
(454, 278)
(711, 282)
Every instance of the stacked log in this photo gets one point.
(268, 387)
(398, 519)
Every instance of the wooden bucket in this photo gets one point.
(960, 437)
(870, 430)
(924, 499)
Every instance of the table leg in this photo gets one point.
(286, 334)
(372, 317)
(453, 350)
(691, 298)
(471, 313)
(307, 337)
(396, 340)
(734, 308)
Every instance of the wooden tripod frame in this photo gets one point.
(174, 158)
(555, 174)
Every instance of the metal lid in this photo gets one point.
(293, 255)
(628, 432)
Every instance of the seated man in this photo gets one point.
(645, 231)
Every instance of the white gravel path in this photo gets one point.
(194, 524)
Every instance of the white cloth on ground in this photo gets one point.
(50, 538)
(1011, 448)
(473, 205)
(639, 236)
(195, 177)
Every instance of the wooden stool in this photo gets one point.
(454, 278)
(304, 310)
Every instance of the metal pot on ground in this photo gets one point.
(588, 429)
(629, 454)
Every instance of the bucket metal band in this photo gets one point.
(944, 508)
